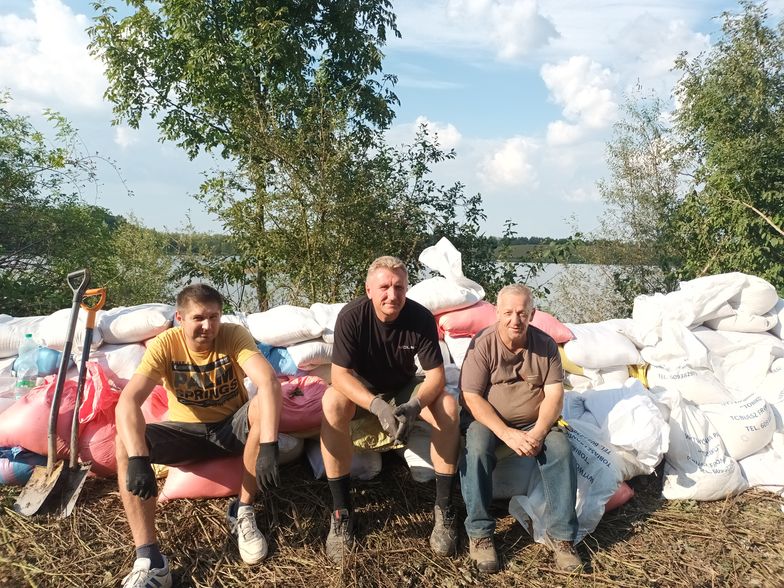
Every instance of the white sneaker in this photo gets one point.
(253, 546)
(143, 577)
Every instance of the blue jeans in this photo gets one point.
(558, 478)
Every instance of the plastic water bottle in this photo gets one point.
(26, 366)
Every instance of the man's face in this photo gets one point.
(200, 323)
(514, 312)
(387, 289)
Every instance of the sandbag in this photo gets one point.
(778, 328)
(155, 408)
(13, 330)
(744, 322)
(326, 315)
(468, 321)
(745, 426)
(699, 386)
(283, 325)
(309, 354)
(458, 347)
(119, 362)
(301, 409)
(322, 371)
(365, 465)
(416, 453)
(568, 365)
(444, 355)
(552, 326)
(697, 465)
(131, 324)
(597, 346)
(622, 495)
(17, 464)
(610, 376)
(765, 469)
(219, 477)
(280, 360)
(53, 330)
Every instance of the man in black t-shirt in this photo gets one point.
(376, 339)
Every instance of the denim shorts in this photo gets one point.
(174, 443)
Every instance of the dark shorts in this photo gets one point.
(175, 443)
(394, 397)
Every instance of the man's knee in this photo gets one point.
(480, 441)
(446, 411)
(336, 407)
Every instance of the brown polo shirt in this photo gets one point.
(513, 383)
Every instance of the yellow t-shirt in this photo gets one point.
(201, 387)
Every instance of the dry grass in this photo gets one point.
(648, 542)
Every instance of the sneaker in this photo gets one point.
(253, 546)
(482, 551)
(566, 557)
(341, 535)
(443, 539)
(142, 576)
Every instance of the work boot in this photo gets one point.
(341, 535)
(143, 576)
(482, 551)
(566, 557)
(252, 545)
(443, 539)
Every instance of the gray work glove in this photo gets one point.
(386, 416)
(140, 478)
(407, 414)
(267, 475)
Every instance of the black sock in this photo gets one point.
(235, 506)
(341, 492)
(445, 483)
(151, 551)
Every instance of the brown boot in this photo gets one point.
(566, 557)
(482, 551)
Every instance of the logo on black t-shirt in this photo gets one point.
(205, 385)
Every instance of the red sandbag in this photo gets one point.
(622, 495)
(213, 478)
(301, 410)
(552, 326)
(467, 322)
(156, 407)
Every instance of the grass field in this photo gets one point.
(648, 542)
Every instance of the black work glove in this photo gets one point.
(407, 414)
(267, 475)
(140, 479)
(386, 416)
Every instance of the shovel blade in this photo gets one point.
(52, 492)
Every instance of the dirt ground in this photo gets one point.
(648, 542)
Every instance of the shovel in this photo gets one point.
(54, 489)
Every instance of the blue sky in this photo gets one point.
(525, 91)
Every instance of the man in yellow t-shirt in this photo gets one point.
(202, 364)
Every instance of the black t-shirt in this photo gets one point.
(383, 353)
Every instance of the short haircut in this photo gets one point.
(387, 262)
(518, 290)
(201, 293)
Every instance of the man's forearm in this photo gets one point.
(352, 388)
(269, 405)
(130, 428)
(432, 387)
(549, 411)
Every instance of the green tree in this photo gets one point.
(731, 124)
(278, 88)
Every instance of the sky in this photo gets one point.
(525, 91)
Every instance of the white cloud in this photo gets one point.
(44, 59)
(448, 135)
(511, 164)
(581, 194)
(125, 136)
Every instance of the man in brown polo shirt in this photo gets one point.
(512, 392)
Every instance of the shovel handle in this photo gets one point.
(93, 308)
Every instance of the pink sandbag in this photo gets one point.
(213, 478)
(552, 326)
(301, 408)
(467, 322)
(622, 495)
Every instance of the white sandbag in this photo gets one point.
(778, 328)
(677, 345)
(238, 318)
(365, 465)
(772, 390)
(630, 420)
(697, 465)
(53, 330)
(444, 355)
(765, 469)
(326, 315)
(577, 382)
(745, 426)
(721, 343)
(309, 354)
(458, 347)
(599, 345)
(598, 478)
(743, 369)
(119, 362)
(450, 292)
(627, 328)
(416, 453)
(758, 296)
(607, 377)
(322, 371)
(130, 324)
(743, 322)
(696, 385)
(13, 330)
(283, 325)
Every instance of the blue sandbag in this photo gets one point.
(279, 359)
(48, 361)
(17, 464)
